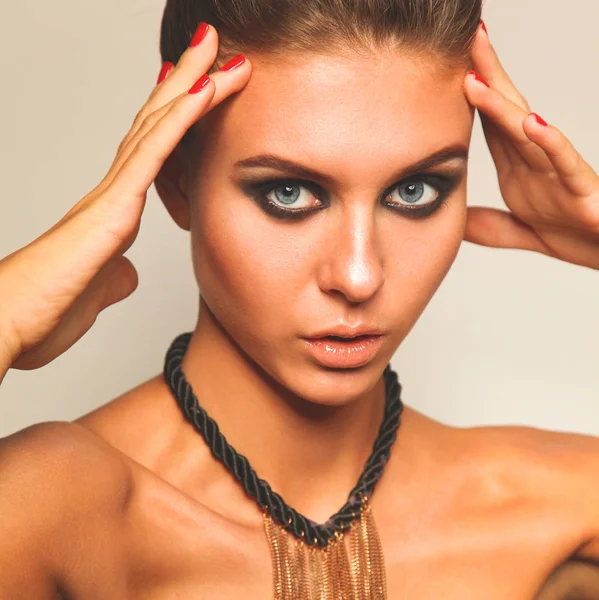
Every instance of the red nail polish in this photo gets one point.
(540, 120)
(166, 69)
(233, 63)
(200, 84)
(484, 26)
(479, 78)
(200, 34)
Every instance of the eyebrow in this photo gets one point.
(272, 161)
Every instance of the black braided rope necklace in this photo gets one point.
(239, 466)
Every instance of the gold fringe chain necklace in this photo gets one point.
(337, 560)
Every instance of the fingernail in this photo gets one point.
(166, 69)
(200, 34)
(484, 26)
(479, 78)
(233, 63)
(540, 120)
(200, 84)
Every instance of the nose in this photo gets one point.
(350, 264)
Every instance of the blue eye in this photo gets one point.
(288, 196)
(414, 191)
(419, 196)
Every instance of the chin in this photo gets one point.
(325, 386)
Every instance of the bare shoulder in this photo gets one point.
(57, 481)
(557, 470)
(545, 445)
(68, 453)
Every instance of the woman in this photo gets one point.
(298, 233)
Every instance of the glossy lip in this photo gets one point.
(346, 331)
(349, 354)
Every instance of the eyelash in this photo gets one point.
(443, 184)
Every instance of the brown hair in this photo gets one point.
(445, 28)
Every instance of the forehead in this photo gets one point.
(339, 110)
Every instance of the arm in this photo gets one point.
(57, 485)
(52, 290)
(551, 192)
(589, 550)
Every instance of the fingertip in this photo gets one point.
(478, 78)
(200, 84)
(539, 120)
(535, 126)
(234, 63)
(469, 90)
(201, 32)
(167, 67)
(481, 36)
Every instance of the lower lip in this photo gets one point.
(345, 355)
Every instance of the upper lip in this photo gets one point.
(347, 332)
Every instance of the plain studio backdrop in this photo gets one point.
(511, 337)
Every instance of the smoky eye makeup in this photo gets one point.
(410, 191)
(416, 196)
(282, 206)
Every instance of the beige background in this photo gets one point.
(511, 337)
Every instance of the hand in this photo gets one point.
(552, 193)
(53, 289)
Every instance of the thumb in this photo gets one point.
(500, 229)
(116, 281)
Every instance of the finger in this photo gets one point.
(165, 71)
(195, 61)
(226, 83)
(500, 152)
(116, 281)
(509, 119)
(504, 157)
(574, 172)
(132, 141)
(497, 228)
(487, 64)
(100, 226)
(144, 146)
(151, 151)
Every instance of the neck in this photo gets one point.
(312, 455)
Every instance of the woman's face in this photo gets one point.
(281, 254)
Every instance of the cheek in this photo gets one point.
(245, 270)
(444, 247)
(419, 259)
(258, 277)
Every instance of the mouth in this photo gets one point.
(344, 353)
(344, 339)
